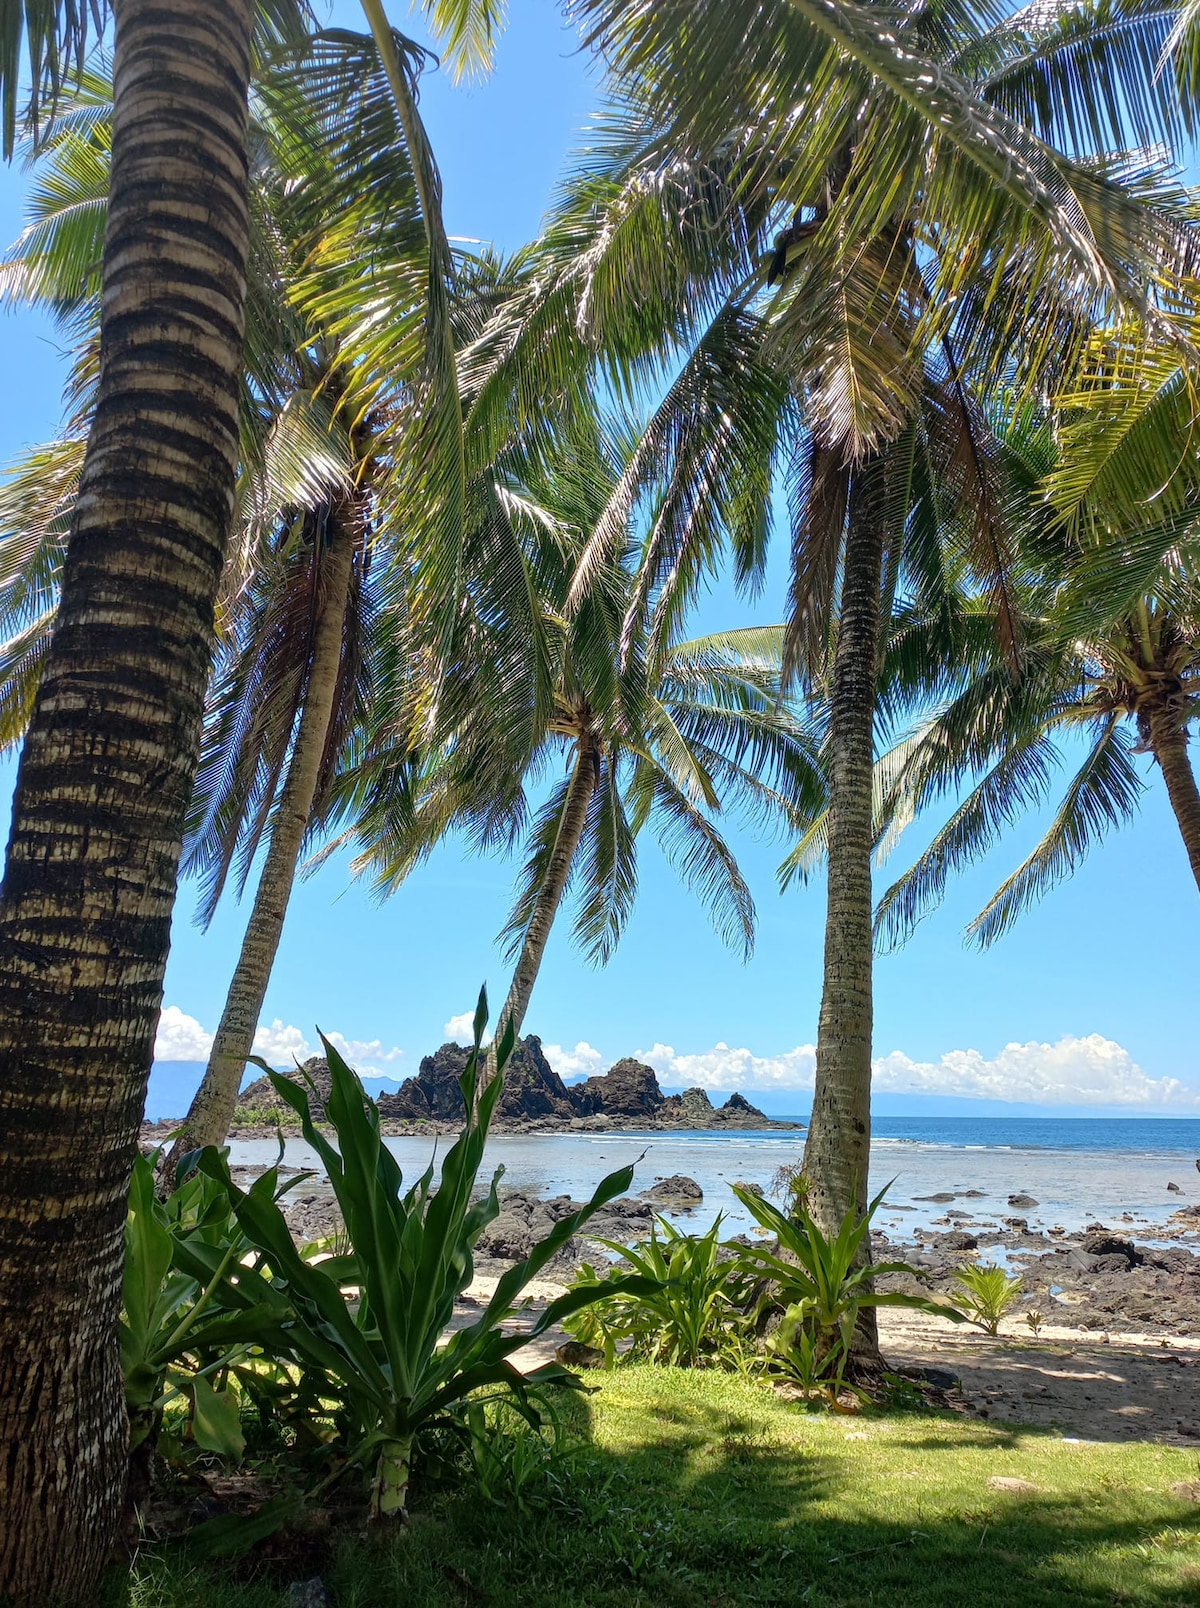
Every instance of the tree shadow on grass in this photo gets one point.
(692, 1502)
(708, 1508)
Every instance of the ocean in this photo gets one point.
(1078, 1170)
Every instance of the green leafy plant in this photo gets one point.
(370, 1328)
(513, 1462)
(989, 1294)
(1034, 1320)
(685, 1310)
(179, 1339)
(822, 1284)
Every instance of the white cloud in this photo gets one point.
(461, 1029)
(725, 1068)
(367, 1056)
(581, 1062)
(1091, 1071)
(180, 1037)
(281, 1045)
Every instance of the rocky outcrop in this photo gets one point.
(532, 1088)
(259, 1100)
(691, 1109)
(737, 1112)
(628, 1095)
(628, 1089)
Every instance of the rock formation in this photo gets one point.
(532, 1088)
(627, 1095)
(261, 1098)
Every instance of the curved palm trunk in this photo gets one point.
(837, 1151)
(550, 894)
(211, 1112)
(106, 775)
(1169, 743)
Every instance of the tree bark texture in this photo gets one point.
(837, 1151)
(106, 775)
(550, 895)
(1167, 720)
(211, 1111)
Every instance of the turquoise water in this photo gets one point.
(1078, 1170)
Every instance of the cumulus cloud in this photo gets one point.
(180, 1037)
(1091, 1071)
(280, 1044)
(582, 1062)
(461, 1028)
(726, 1068)
(367, 1056)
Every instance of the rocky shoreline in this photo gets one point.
(535, 1100)
(1096, 1279)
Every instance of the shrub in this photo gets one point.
(180, 1341)
(685, 1308)
(366, 1329)
(823, 1285)
(989, 1294)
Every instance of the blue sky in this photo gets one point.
(1090, 1000)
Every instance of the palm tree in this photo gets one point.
(106, 774)
(660, 732)
(318, 538)
(1111, 626)
(908, 244)
(108, 763)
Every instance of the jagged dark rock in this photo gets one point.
(627, 1095)
(532, 1088)
(628, 1089)
(737, 1112)
(262, 1098)
(957, 1240)
(691, 1109)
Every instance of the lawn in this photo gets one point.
(697, 1489)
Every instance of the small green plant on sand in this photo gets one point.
(822, 1283)
(1035, 1321)
(685, 1311)
(990, 1294)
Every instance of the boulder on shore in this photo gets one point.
(678, 1189)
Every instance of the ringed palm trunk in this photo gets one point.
(105, 778)
(1167, 719)
(211, 1112)
(550, 894)
(837, 1150)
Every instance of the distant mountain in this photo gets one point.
(173, 1083)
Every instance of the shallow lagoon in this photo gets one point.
(1077, 1170)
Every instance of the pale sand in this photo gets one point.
(1130, 1387)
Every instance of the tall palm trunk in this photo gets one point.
(837, 1151)
(211, 1112)
(1166, 718)
(105, 778)
(550, 894)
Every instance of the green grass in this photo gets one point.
(700, 1491)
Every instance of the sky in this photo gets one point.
(1090, 1002)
